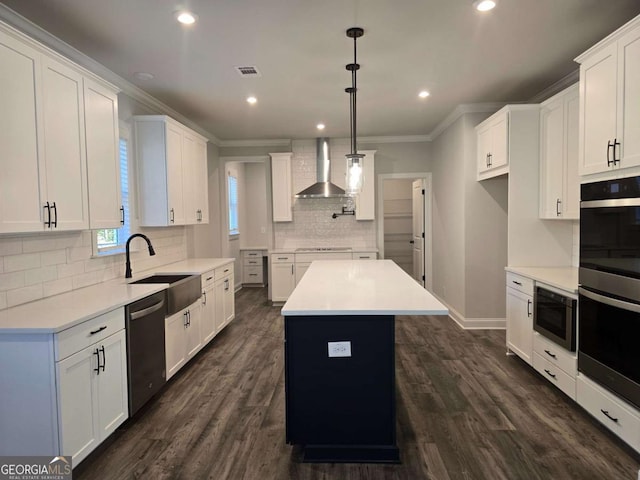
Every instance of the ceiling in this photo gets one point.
(300, 48)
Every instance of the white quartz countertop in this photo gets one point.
(59, 312)
(564, 278)
(353, 287)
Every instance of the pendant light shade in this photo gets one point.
(354, 159)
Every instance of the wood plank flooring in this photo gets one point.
(465, 411)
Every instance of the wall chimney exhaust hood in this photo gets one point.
(323, 188)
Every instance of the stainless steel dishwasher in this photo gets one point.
(146, 364)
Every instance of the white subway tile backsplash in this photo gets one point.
(86, 279)
(53, 257)
(24, 295)
(75, 254)
(9, 281)
(70, 269)
(13, 263)
(57, 287)
(40, 275)
(3, 300)
(10, 246)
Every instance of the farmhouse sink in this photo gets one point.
(183, 289)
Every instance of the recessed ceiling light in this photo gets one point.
(186, 18)
(423, 94)
(144, 76)
(485, 5)
(320, 126)
(252, 100)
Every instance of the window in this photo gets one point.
(233, 204)
(112, 240)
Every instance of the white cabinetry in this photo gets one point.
(253, 267)
(281, 188)
(556, 364)
(520, 316)
(283, 277)
(64, 393)
(609, 96)
(493, 136)
(103, 158)
(559, 179)
(171, 172)
(182, 337)
(364, 255)
(208, 321)
(224, 296)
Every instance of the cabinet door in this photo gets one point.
(520, 324)
(283, 281)
(193, 335)
(301, 269)
(629, 99)
(189, 179)
(218, 307)
(174, 175)
(500, 142)
(175, 342)
(281, 194)
(201, 180)
(208, 319)
(229, 305)
(103, 159)
(64, 146)
(77, 391)
(552, 134)
(571, 189)
(20, 186)
(598, 83)
(483, 148)
(112, 392)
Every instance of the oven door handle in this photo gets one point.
(613, 302)
(613, 202)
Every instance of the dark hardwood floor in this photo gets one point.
(465, 411)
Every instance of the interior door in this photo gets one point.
(417, 237)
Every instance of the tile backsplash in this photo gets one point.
(41, 265)
(312, 223)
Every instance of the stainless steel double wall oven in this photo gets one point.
(609, 293)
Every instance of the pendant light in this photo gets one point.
(354, 159)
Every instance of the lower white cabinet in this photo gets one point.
(520, 316)
(182, 337)
(63, 393)
(224, 296)
(208, 328)
(283, 276)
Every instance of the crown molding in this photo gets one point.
(52, 42)
(277, 142)
(557, 87)
(461, 110)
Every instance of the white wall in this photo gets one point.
(257, 225)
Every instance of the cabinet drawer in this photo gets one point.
(208, 278)
(246, 254)
(555, 355)
(365, 255)
(611, 412)
(555, 375)
(311, 257)
(518, 282)
(282, 257)
(224, 271)
(76, 338)
(253, 274)
(252, 261)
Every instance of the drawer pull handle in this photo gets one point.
(550, 354)
(93, 332)
(283, 258)
(517, 283)
(226, 270)
(253, 274)
(552, 375)
(606, 414)
(209, 278)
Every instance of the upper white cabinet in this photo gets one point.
(281, 189)
(493, 137)
(172, 178)
(609, 137)
(103, 159)
(54, 129)
(559, 179)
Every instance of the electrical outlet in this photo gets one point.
(339, 349)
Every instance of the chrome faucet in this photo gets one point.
(152, 252)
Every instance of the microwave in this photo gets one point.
(555, 317)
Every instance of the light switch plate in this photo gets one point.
(339, 349)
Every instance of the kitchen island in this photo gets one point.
(340, 358)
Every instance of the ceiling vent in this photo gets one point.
(248, 72)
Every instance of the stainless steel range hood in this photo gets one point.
(323, 188)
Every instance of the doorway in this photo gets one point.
(404, 223)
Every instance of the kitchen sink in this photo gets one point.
(183, 289)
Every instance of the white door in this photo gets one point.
(175, 342)
(229, 305)
(628, 121)
(112, 397)
(208, 319)
(174, 175)
(189, 179)
(194, 338)
(418, 230)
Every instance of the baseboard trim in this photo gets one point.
(474, 323)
